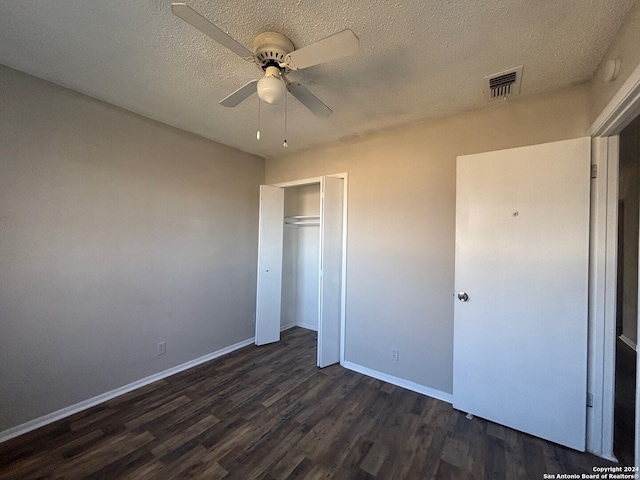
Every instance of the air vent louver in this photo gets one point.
(503, 84)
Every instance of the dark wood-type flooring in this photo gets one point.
(270, 413)
(625, 403)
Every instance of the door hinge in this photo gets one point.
(589, 399)
(594, 171)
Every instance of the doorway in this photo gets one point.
(622, 110)
(627, 293)
(301, 262)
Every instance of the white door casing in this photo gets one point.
(623, 107)
(522, 252)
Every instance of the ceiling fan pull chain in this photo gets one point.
(258, 132)
(285, 120)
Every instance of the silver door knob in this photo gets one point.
(463, 297)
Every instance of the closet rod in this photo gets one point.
(302, 220)
(316, 223)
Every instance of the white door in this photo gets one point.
(331, 221)
(522, 244)
(269, 290)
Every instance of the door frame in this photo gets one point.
(343, 294)
(619, 112)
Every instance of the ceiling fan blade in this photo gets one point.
(309, 100)
(193, 18)
(239, 95)
(336, 46)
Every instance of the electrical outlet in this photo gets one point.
(162, 348)
(395, 354)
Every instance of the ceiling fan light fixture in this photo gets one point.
(276, 54)
(271, 88)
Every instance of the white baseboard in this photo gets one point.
(92, 402)
(629, 342)
(287, 326)
(308, 326)
(400, 382)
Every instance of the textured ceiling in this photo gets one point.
(418, 59)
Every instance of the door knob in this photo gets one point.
(463, 297)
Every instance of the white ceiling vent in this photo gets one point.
(503, 84)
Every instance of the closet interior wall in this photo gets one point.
(300, 257)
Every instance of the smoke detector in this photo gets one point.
(503, 84)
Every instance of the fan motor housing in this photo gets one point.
(270, 49)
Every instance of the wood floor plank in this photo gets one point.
(80, 444)
(120, 466)
(269, 413)
(104, 454)
(157, 412)
(88, 421)
(193, 464)
(256, 458)
(361, 420)
(534, 461)
(288, 463)
(178, 419)
(184, 436)
(447, 471)
(514, 455)
(555, 458)
(392, 431)
(374, 458)
(302, 469)
(152, 469)
(322, 435)
(425, 459)
(33, 466)
(477, 448)
(299, 404)
(456, 447)
(495, 460)
(423, 449)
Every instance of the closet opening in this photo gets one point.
(302, 262)
(301, 258)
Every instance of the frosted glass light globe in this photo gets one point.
(271, 88)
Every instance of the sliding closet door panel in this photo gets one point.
(270, 241)
(331, 224)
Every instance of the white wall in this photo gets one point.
(116, 233)
(401, 224)
(308, 279)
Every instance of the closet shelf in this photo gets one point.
(302, 220)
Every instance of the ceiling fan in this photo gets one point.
(276, 55)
